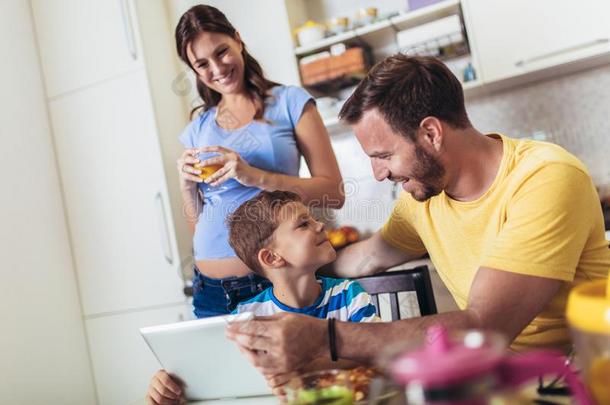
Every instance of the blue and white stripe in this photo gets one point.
(341, 299)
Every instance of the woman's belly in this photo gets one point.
(223, 268)
(211, 238)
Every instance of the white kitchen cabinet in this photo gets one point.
(513, 38)
(122, 361)
(83, 42)
(109, 68)
(44, 356)
(116, 196)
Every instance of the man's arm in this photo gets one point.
(366, 257)
(499, 300)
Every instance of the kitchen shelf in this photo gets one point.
(325, 43)
(471, 85)
(474, 88)
(424, 15)
(397, 23)
(336, 83)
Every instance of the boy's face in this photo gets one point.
(300, 240)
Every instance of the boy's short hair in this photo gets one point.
(252, 224)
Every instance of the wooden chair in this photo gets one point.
(393, 282)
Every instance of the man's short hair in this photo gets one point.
(252, 224)
(405, 90)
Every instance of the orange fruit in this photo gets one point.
(337, 238)
(351, 234)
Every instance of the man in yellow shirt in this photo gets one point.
(510, 225)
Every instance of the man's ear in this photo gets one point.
(432, 132)
(269, 259)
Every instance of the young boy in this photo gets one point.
(276, 236)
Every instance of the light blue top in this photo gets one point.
(270, 145)
(341, 299)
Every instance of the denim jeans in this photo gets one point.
(220, 296)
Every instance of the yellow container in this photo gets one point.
(588, 314)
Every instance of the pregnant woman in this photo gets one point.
(248, 136)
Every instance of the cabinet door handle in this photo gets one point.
(589, 44)
(165, 239)
(128, 28)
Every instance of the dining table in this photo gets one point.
(528, 394)
(263, 400)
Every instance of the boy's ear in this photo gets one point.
(268, 258)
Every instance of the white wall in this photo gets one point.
(571, 111)
(44, 356)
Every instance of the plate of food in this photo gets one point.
(358, 386)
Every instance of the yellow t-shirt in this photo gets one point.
(541, 216)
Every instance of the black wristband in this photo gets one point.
(332, 343)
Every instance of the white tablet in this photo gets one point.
(210, 365)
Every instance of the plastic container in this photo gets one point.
(469, 73)
(337, 25)
(474, 368)
(310, 32)
(588, 314)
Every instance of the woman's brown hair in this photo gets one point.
(204, 18)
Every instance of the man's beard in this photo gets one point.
(429, 172)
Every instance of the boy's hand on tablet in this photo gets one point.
(164, 390)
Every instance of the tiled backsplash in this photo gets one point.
(571, 111)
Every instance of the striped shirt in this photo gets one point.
(341, 299)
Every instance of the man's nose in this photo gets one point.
(380, 171)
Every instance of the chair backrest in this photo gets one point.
(393, 282)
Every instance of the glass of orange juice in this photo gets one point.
(207, 171)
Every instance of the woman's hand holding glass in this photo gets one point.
(189, 175)
(207, 168)
(232, 166)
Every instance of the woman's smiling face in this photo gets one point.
(218, 62)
